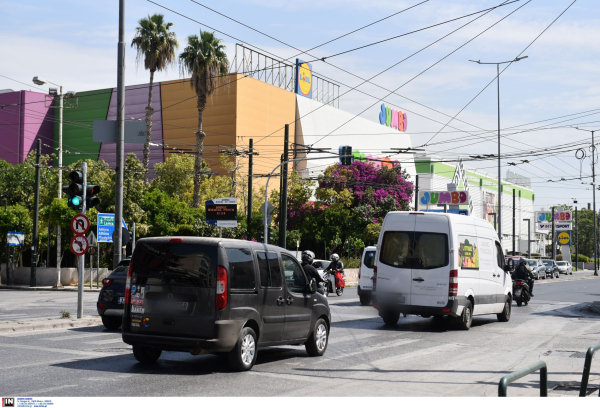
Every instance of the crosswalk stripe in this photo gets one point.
(77, 336)
(119, 340)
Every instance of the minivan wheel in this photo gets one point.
(317, 342)
(243, 356)
(467, 316)
(112, 322)
(505, 315)
(390, 318)
(365, 300)
(145, 354)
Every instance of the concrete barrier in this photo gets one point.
(351, 276)
(47, 276)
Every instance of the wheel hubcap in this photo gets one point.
(321, 337)
(248, 349)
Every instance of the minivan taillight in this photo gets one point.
(107, 282)
(221, 288)
(374, 277)
(453, 289)
(359, 270)
(128, 284)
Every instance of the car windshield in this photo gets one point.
(532, 263)
(547, 262)
(561, 263)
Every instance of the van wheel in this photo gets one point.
(467, 316)
(243, 356)
(365, 300)
(112, 322)
(505, 315)
(390, 318)
(317, 342)
(145, 354)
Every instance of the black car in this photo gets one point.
(552, 270)
(213, 295)
(112, 296)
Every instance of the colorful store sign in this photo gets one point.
(564, 238)
(393, 118)
(558, 226)
(304, 78)
(443, 197)
(546, 216)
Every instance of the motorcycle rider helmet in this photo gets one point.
(308, 257)
(335, 257)
(522, 261)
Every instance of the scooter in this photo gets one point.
(521, 292)
(330, 283)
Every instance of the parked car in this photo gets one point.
(365, 275)
(536, 267)
(213, 295)
(551, 269)
(565, 267)
(440, 264)
(112, 296)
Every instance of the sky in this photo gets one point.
(74, 43)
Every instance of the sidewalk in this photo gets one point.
(48, 324)
(64, 288)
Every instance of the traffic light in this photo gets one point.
(91, 200)
(261, 236)
(270, 237)
(75, 190)
(345, 155)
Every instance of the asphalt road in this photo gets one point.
(417, 357)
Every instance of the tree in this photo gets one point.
(156, 44)
(205, 59)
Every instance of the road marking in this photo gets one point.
(119, 340)
(377, 347)
(38, 392)
(78, 336)
(55, 350)
(352, 337)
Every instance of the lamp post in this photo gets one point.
(593, 148)
(41, 81)
(495, 225)
(499, 165)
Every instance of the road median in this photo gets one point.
(48, 324)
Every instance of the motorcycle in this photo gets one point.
(521, 292)
(334, 280)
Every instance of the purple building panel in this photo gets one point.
(136, 100)
(23, 118)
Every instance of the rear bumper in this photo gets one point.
(110, 310)
(452, 308)
(226, 336)
(362, 291)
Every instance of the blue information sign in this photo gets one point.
(106, 227)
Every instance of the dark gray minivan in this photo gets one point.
(213, 295)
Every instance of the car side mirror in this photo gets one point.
(312, 286)
(506, 268)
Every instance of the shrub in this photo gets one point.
(351, 262)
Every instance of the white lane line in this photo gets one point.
(55, 350)
(352, 337)
(77, 336)
(37, 393)
(119, 340)
(377, 347)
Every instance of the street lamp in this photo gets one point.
(41, 81)
(594, 196)
(499, 165)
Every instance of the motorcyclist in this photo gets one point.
(524, 274)
(336, 264)
(307, 259)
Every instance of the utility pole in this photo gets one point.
(120, 139)
(576, 241)
(417, 193)
(81, 258)
(528, 237)
(514, 211)
(36, 215)
(284, 188)
(553, 237)
(7, 248)
(250, 154)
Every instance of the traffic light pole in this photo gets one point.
(284, 186)
(81, 258)
(36, 215)
(120, 139)
(250, 146)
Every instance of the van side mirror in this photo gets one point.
(312, 286)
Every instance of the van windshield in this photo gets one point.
(175, 264)
(414, 250)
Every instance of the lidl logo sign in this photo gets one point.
(304, 78)
(564, 238)
(393, 118)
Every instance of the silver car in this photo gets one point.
(321, 265)
(565, 267)
(536, 267)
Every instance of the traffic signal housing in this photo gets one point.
(270, 235)
(91, 191)
(75, 190)
(345, 155)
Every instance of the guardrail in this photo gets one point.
(587, 366)
(540, 365)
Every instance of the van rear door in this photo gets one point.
(430, 271)
(173, 289)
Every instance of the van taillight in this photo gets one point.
(128, 284)
(453, 289)
(359, 271)
(221, 288)
(107, 282)
(374, 277)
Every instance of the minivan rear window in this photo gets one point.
(414, 250)
(176, 264)
(369, 259)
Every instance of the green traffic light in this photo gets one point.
(75, 201)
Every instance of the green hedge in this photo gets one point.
(351, 262)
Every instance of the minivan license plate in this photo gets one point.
(121, 300)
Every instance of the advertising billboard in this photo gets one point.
(222, 212)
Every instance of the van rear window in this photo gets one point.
(176, 264)
(370, 259)
(241, 266)
(414, 250)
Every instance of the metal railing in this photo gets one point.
(587, 366)
(281, 74)
(507, 379)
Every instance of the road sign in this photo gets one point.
(80, 224)
(92, 239)
(125, 237)
(92, 250)
(15, 238)
(105, 131)
(79, 245)
(222, 212)
(270, 208)
(558, 226)
(106, 227)
(564, 238)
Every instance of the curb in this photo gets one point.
(49, 324)
(48, 288)
(548, 280)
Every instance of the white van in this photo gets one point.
(439, 264)
(365, 275)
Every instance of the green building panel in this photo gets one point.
(77, 125)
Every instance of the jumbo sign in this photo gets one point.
(443, 197)
(393, 118)
(546, 216)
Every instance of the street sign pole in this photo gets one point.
(81, 263)
(120, 135)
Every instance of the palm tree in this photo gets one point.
(205, 59)
(156, 45)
